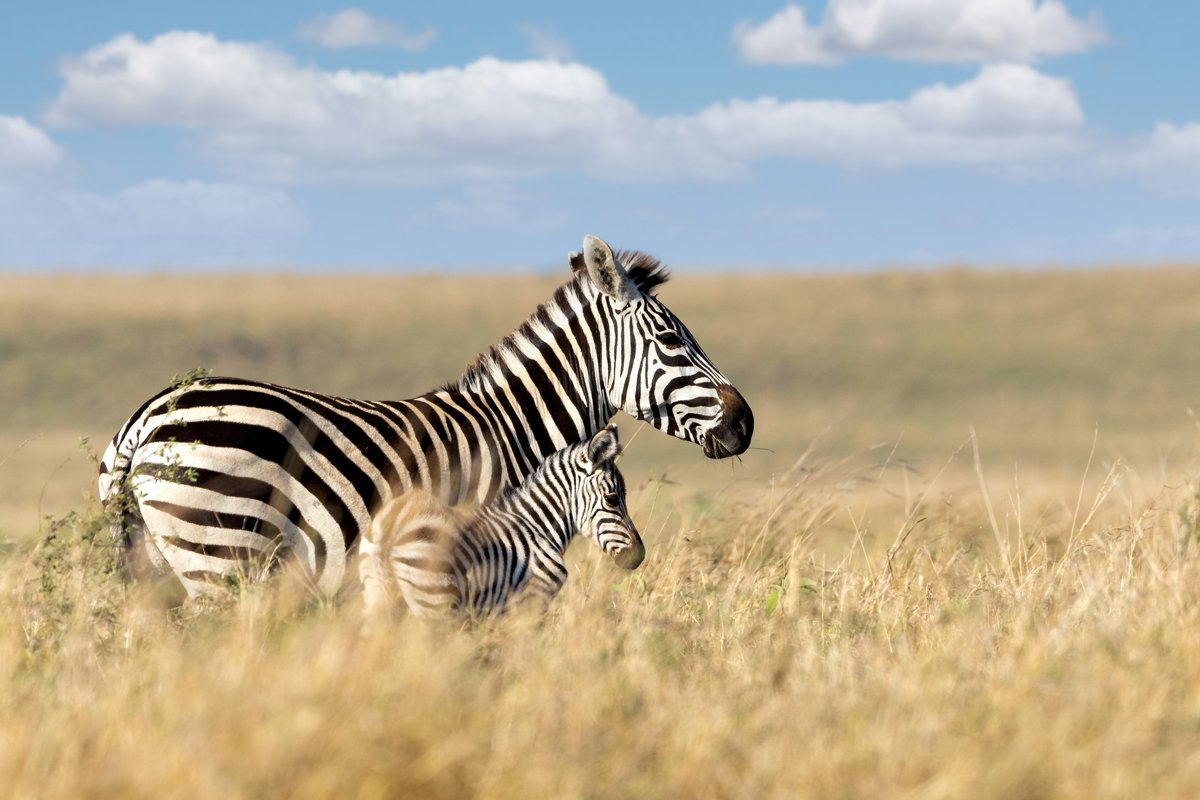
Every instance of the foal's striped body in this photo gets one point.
(419, 551)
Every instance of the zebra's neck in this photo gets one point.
(544, 386)
(544, 511)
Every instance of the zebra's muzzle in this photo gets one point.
(631, 557)
(733, 432)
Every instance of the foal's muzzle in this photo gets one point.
(631, 557)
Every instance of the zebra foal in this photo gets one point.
(434, 559)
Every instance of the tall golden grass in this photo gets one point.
(1056, 654)
(881, 604)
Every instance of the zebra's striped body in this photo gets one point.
(422, 552)
(214, 479)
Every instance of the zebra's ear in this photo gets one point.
(606, 271)
(604, 446)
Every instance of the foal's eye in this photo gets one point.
(670, 339)
(613, 500)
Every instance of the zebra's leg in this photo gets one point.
(195, 580)
(180, 553)
(537, 595)
(140, 560)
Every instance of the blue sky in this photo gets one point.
(823, 135)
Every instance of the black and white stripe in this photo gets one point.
(214, 479)
(422, 554)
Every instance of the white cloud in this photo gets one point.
(25, 149)
(1009, 114)
(1168, 159)
(546, 42)
(353, 27)
(184, 79)
(265, 118)
(1003, 98)
(920, 30)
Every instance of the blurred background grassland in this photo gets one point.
(853, 610)
(885, 373)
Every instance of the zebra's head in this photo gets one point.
(656, 371)
(600, 511)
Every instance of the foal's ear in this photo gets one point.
(605, 270)
(604, 446)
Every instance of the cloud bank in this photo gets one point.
(500, 120)
(1009, 114)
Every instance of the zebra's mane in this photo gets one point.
(512, 490)
(646, 271)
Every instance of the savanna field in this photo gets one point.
(962, 558)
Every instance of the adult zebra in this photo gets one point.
(217, 477)
(420, 552)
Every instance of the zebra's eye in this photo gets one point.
(670, 339)
(612, 500)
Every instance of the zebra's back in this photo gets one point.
(226, 473)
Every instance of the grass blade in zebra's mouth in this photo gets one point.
(712, 447)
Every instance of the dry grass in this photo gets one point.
(880, 606)
(741, 661)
